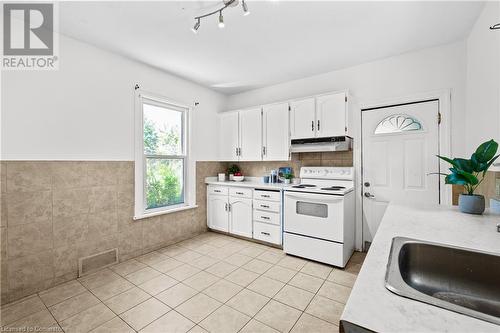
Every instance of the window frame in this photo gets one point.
(140, 204)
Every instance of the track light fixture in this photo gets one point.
(226, 3)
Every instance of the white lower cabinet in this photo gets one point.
(267, 216)
(240, 217)
(217, 212)
(267, 232)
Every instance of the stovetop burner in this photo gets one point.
(303, 186)
(333, 188)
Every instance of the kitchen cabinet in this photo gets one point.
(240, 217)
(276, 133)
(228, 136)
(250, 135)
(302, 118)
(217, 212)
(267, 216)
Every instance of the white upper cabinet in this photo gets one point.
(228, 136)
(303, 118)
(276, 138)
(250, 135)
(331, 115)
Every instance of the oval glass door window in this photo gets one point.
(398, 123)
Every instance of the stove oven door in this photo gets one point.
(315, 215)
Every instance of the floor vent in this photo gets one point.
(92, 263)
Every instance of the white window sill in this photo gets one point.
(166, 211)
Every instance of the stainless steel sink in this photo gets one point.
(457, 279)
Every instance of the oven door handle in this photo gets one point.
(314, 197)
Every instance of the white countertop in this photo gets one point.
(253, 182)
(374, 307)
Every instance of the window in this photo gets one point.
(398, 123)
(161, 156)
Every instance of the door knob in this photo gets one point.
(367, 184)
(368, 195)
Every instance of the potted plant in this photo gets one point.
(288, 177)
(232, 170)
(470, 173)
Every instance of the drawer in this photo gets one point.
(269, 206)
(266, 217)
(240, 192)
(217, 190)
(267, 232)
(267, 195)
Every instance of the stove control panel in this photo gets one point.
(327, 172)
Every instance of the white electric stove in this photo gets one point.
(319, 215)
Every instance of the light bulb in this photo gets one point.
(221, 20)
(245, 8)
(196, 27)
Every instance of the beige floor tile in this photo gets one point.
(257, 266)
(238, 259)
(145, 313)
(325, 309)
(172, 322)
(248, 302)
(255, 326)
(198, 329)
(220, 253)
(308, 323)
(306, 282)
(41, 321)
(151, 258)
(225, 320)
(112, 289)
(20, 309)
(295, 297)
(280, 273)
(242, 277)
(115, 325)
(222, 290)
(316, 269)
(187, 256)
(292, 262)
(167, 265)
(266, 286)
(128, 267)
(271, 258)
(88, 319)
(176, 295)
(203, 262)
(127, 300)
(278, 316)
(142, 275)
(99, 278)
(61, 292)
(201, 280)
(183, 272)
(73, 305)
(275, 250)
(158, 284)
(198, 307)
(353, 268)
(342, 277)
(358, 257)
(335, 291)
(172, 250)
(204, 249)
(221, 269)
(252, 251)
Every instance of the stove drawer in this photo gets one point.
(266, 217)
(269, 206)
(267, 195)
(267, 232)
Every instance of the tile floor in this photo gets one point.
(210, 283)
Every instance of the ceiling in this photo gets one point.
(278, 42)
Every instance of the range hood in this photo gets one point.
(332, 143)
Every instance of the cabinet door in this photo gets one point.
(228, 136)
(276, 132)
(331, 115)
(240, 217)
(302, 118)
(217, 212)
(251, 135)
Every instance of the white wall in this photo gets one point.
(483, 79)
(84, 111)
(437, 68)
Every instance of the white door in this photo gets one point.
(251, 135)
(276, 145)
(302, 118)
(240, 217)
(217, 212)
(228, 136)
(400, 145)
(331, 113)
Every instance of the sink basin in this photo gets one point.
(457, 279)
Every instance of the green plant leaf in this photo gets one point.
(490, 163)
(449, 160)
(471, 179)
(486, 151)
(455, 179)
(463, 164)
(476, 165)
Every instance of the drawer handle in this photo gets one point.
(240, 193)
(264, 206)
(265, 233)
(265, 195)
(265, 217)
